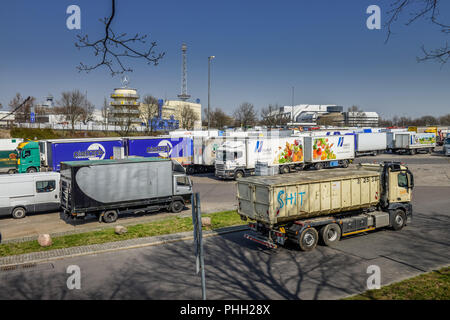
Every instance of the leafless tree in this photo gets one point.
(72, 107)
(188, 117)
(272, 117)
(105, 112)
(219, 119)
(149, 111)
(444, 120)
(420, 9)
(22, 114)
(113, 48)
(245, 115)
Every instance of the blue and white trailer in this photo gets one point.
(176, 148)
(53, 152)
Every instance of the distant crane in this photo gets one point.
(184, 96)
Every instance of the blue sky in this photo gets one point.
(263, 48)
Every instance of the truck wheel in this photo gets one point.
(190, 170)
(285, 169)
(308, 239)
(12, 171)
(330, 234)
(318, 166)
(110, 216)
(344, 164)
(19, 213)
(399, 220)
(176, 206)
(31, 170)
(412, 152)
(238, 174)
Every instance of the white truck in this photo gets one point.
(329, 151)
(412, 142)
(237, 157)
(370, 143)
(25, 193)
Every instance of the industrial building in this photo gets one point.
(307, 114)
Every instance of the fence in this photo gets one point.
(80, 127)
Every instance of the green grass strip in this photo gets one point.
(434, 285)
(155, 228)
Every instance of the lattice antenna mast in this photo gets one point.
(184, 96)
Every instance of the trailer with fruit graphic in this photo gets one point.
(329, 151)
(238, 158)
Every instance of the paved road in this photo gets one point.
(239, 269)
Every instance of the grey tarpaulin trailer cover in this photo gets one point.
(136, 184)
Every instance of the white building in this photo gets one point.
(306, 113)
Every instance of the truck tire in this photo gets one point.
(177, 206)
(412, 152)
(19, 213)
(190, 170)
(398, 219)
(318, 166)
(284, 169)
(330, 234)
(31, 170)
(238, 174)
(344, 164)
(110, 216)
(12, 171)
(307, 240)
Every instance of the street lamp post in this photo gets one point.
(209, 88)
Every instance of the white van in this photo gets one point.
(29, 192)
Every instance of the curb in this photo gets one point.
(57, 254)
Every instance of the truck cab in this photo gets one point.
(447, 145)
(231, 160)
(28, 157)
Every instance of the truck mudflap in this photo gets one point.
(261, 240)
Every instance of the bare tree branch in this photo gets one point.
(428, 10)
(112, 48)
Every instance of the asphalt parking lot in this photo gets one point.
(216, 195)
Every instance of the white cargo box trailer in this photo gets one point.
(237, 157)
(9, 144)
(370, 143)
(413, 142)
(329, 151)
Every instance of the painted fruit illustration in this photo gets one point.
(322, 150)
(292, 152)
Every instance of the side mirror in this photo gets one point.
(410, 180)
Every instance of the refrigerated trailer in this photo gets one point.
(107, 188)
(370, 143)
(329, 151)
(308, 207)
(412, 142)
(236, 158)
(176, 148)
(46, 155)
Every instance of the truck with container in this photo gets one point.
(22, 194)
(370, 143)
(46, 155)
(107, 188)
(311, 207)
(237, 157)
(412, 142)
(329, 151)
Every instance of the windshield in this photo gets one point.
(447, 141)
(228, 156)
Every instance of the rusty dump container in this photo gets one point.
(282, 198)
